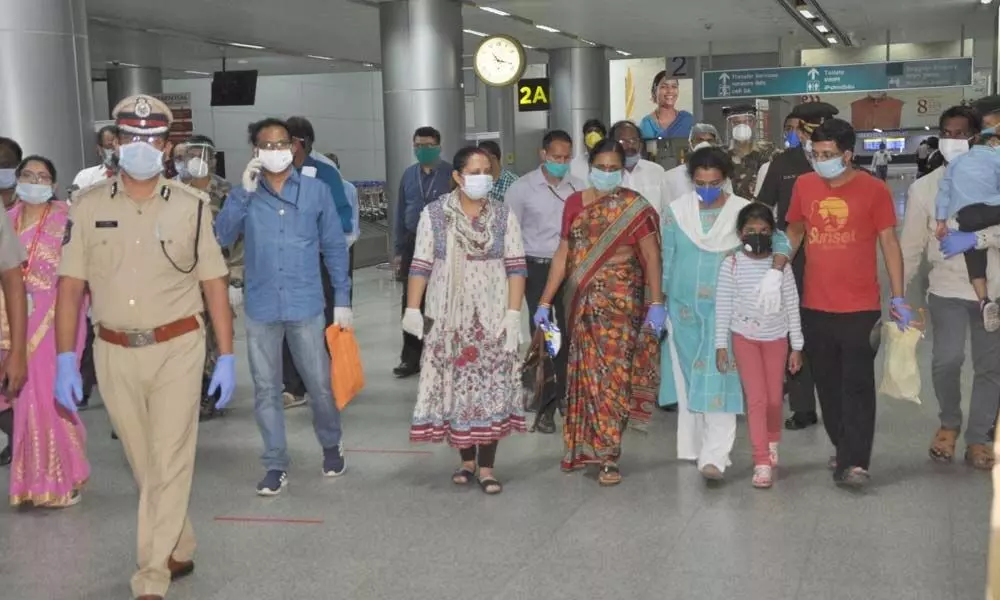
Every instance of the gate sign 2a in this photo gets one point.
(533, 94)
(837, 79)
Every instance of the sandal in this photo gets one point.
(943, 447)
(609, 475)
(979, 456)
(462, 476)
(490, 486)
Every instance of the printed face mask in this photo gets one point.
(757, 243)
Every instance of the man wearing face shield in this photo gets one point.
(748, 155)
(676, 181)
(10, 156)
(144, 246)
(106, 154)
(196, 163)
(776, 191)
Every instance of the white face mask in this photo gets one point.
(197, 167)
(34, 193)
(701, 145)
(742, 132)
(952, 148)
(478, 187)
(275, 161)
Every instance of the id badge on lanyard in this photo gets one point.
(430, 189)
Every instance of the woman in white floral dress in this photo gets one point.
(470, 260)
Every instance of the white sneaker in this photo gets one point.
(773, 452)
(991, 316)
(763, 477)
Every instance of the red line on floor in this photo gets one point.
(377, 451)
(270, 520)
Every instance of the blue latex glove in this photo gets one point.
(69, 383)
(656, 318)
(224, 380)
(957, 242)
(901, 313)
(541, 315)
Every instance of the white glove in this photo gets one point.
(235, 296)
(511, 328)
(251, 174)
(413, 323)
(769, 298)
(343, 317)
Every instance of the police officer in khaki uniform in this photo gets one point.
(14, 369)
(143, 244)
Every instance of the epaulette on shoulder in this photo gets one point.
(80, 194)
(171, 190)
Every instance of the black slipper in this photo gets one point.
(463, 472)
(490, 482)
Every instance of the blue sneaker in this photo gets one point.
(333, 461)
(272, 484)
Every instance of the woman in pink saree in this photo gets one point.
(49, 464)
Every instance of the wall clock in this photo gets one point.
(499, 60)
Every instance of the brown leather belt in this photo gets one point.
(148, 337)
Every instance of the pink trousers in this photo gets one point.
(762, 370)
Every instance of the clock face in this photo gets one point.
(499, 61)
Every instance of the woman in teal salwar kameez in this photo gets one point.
(699, 230)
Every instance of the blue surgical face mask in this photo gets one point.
(708, 194)
(556, 169)
(140, 160)
(830, 168)
(34, 193)
(7, 179)
(605, 181)
(792, 140)
(631, 160)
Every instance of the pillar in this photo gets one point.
(421, 82)
(500, 117)
(128, 81)
(579, 89)
(46, 100)
(132, 48)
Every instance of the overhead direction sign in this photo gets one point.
(836, 79)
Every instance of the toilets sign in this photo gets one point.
(833, 79)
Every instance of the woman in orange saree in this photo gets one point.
(609, 257)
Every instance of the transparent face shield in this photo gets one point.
(740, 128)
(198, 159)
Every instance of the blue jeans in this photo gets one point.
(306, 340)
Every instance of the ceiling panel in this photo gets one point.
(348, 29)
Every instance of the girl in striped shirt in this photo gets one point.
(759, 341)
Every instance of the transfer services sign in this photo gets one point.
(837, 79)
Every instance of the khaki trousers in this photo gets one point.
(152, 395)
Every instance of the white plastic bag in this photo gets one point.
(900, 371)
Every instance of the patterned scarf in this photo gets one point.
(474, 236)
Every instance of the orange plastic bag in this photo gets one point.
(346, 373)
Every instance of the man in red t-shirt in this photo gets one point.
(839, 213)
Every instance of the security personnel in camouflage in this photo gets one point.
(748, 154)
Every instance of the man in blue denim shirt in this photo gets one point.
(286, 221)
(421, 184)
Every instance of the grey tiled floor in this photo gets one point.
(395, 527)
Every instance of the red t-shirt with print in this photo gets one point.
(842, 227)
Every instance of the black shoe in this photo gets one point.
(84, 404)
(546, 424)
(114, 435)
(801, 420)
(405, 370)
(5, 457)
(668, 408)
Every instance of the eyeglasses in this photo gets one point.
(630, 142)
(821, 156)
(29, 177)
(279, 145)
(153, 140)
